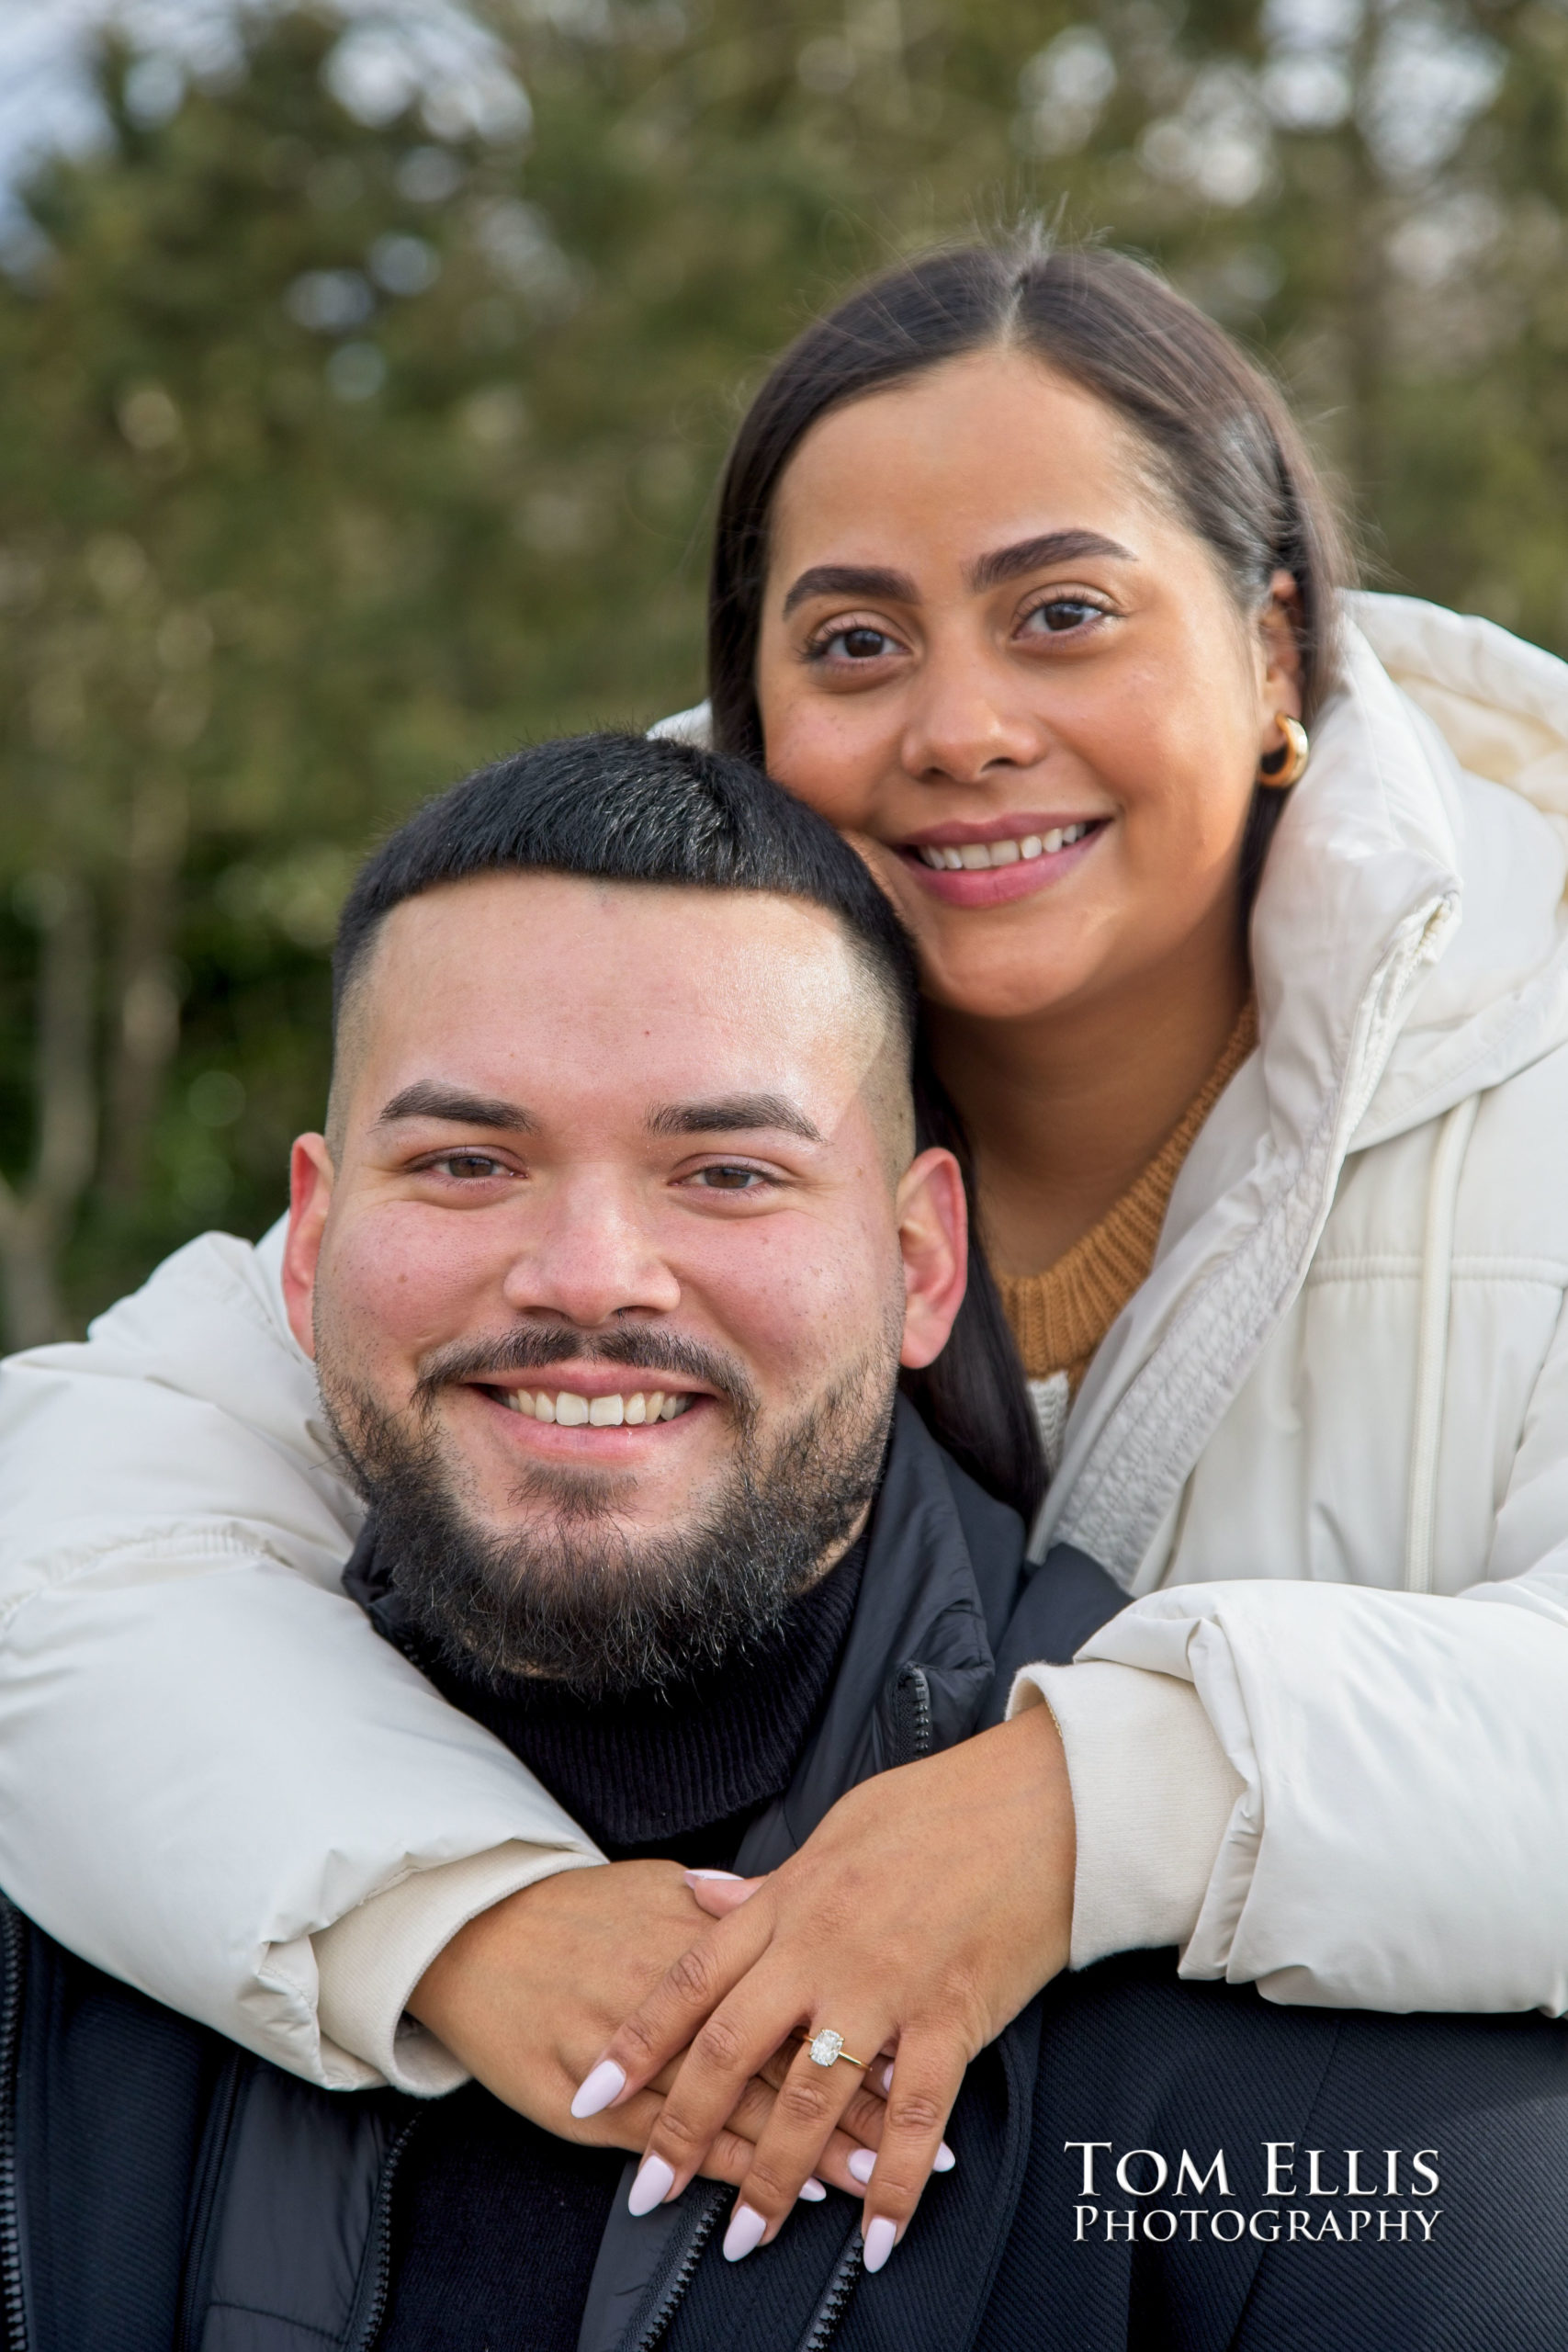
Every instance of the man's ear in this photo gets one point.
(309, 1198)
(933, 1236)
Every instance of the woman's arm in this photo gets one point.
(209, 1759)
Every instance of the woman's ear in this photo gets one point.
(1279, 625)
(933, 1236)
(310, 1197)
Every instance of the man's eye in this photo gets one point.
(468, 1167)
(731, 1179)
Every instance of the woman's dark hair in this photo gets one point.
(1221, 443)
(1222, 446)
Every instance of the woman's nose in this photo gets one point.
(965, 725)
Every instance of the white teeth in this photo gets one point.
(573, 1412)
(971, 856)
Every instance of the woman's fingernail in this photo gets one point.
(885, 2080)
(862, 2163)
(879, 2242)
(596, 2090)
(690, 1875)
(812, 2191)
(744, 2233)
(651, 2186)
(944, 2159)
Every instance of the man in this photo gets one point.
(609, 1259)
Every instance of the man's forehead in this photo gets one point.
(680, 994)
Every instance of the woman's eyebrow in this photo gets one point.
(1035, 555)
(851, 579)
(988, 571)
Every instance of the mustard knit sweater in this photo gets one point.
(1060, 1317)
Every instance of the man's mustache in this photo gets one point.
(534, 1347)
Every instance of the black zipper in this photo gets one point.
(13, 2300)
(366, 2325)
(841, 2286)
(911, 1711)
(680, 2278)
(911, 1737)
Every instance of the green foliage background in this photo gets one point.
(347, 437)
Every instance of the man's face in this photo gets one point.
(613, 1250)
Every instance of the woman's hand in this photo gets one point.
(924, 1913)
(527, 1992)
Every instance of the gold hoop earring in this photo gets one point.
(1279, 770)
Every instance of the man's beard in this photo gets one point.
(573, 1597)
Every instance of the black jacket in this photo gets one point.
(162, 2191)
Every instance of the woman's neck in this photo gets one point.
(1067, 1108)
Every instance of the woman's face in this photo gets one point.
(994, 658)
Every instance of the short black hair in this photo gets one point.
(615, 807)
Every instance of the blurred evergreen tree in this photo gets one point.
(351, 430)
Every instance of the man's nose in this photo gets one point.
(969, 721)
(590, 1254)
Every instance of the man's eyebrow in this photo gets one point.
(851, 579)
(1034, 555)
(731, 1114)
(427, 1098)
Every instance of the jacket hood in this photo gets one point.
(1446, 759)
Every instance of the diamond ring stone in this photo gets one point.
(826, 2049)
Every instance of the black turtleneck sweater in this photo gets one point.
(497, 2223)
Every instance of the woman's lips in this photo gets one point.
(1020, 877)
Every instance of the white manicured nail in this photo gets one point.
(651, 2186)
(813, 2190)
(596, 2090)
(744, 2233)
(862, 2163)
(944, 2159)
(879, 2242)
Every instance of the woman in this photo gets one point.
(1023, 578)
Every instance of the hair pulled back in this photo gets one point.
(1221, 448)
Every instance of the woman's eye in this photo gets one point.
(1060, 614)
(859, 643)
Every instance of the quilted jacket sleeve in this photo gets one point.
(1399, 1764)
(209, 1761)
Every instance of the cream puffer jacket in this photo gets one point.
(1325, 1447)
